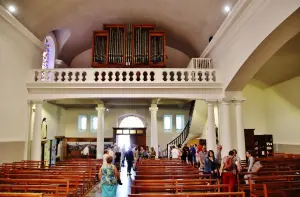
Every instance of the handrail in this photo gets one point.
(183, 135)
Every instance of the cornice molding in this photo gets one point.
(10, 19)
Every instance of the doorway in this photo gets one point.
(123, 140)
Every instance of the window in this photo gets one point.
(131, 122)
(167, 122)
(179, 122)
(82, 123)
(94, 123)
(49, 53)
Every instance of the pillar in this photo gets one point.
(211, 133)
(100, 131)
(241, 148)
(36, 148)
(226, 134)
(154, 140)
(27, 132)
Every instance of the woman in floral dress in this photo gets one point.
(109, 176)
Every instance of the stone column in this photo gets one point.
(100, 131)
(211, 133)
(225, 132)
(36, 147)
(240, 130)
(154, 140)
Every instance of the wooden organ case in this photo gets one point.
(135, 46)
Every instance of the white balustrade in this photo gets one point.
(126, 75)
(200, 63)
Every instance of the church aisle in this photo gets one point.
(123, 190)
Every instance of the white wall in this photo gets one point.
(283, 112)
(17, 56)
(19, 53)
(275, 110)
(53, 115)
(254, 109)
(71, 121)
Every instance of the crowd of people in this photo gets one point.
(113, 159)
(226, 168)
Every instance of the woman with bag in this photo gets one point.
(109, 175)
(228, 171)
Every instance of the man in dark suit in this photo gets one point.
(129, 158)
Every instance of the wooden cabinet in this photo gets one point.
(263, 145)
(249, 140)
(260, 145)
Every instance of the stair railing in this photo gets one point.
(183, 135)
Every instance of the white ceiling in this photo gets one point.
(188, 24)
(283, 65)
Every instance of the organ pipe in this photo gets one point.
(129, 45)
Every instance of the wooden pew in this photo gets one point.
(176, 181)
(7, 194)
(177, 176)
(224, 194)
(135, 189)
(48, 190)
(62, 189)
(275, 188)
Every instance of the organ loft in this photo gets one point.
(129, 45)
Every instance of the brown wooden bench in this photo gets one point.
(176, 181)
(178, 176)
(274, 188)
(224, 194)
(63, 188)
(7, 194)
(48, 190)
(135, 189)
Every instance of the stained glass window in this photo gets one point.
(46, 54)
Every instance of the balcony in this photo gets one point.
(127, 82)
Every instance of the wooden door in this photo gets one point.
(249, 140)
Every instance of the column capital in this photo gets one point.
(225, 101)
(238, 102)
(153, 108)
(211, 102)
(36, 102)
(100, 108)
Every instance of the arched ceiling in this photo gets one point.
(188, 24)
(283, 65)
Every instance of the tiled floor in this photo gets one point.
(123, 190)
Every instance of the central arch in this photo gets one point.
(130, 130)
(131, 120)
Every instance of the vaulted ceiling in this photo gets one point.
(283, 65)
(188, 24)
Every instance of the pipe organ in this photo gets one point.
(129, 45)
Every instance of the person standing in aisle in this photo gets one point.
(108, 175)
(129, 158)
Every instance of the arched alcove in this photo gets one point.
(131, 121)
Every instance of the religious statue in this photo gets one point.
(44, 129)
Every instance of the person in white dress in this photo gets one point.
(175, 153)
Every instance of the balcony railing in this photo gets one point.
(126, 75)
(200, 63)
